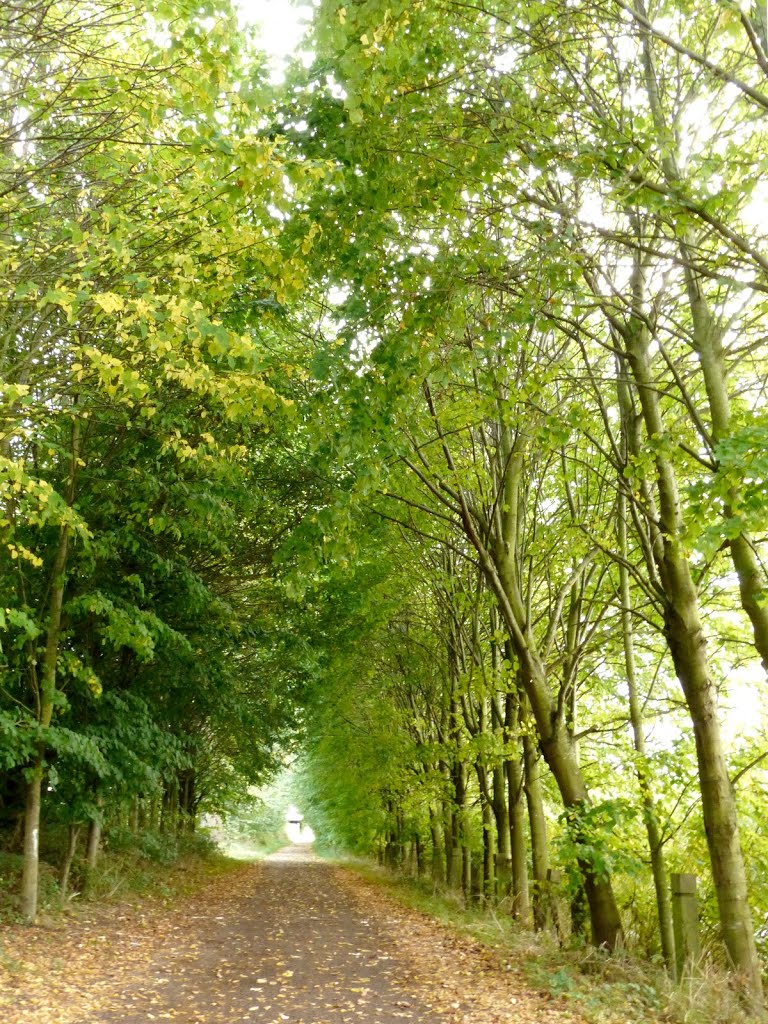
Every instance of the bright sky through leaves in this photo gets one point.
(280, 25)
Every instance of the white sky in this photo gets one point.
(280, 25)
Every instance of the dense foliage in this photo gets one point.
(416, 406)
(150, 461)
(546, 273)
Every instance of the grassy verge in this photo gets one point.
(253, 849)
(150, 864)
(616, 989)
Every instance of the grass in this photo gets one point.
(10, 883)
(616, 989)
(254, 849)
(129, 866)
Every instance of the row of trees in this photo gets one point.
(546, 267)
(464, 325)
(148, 456)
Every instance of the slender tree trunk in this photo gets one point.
(489, 882)
(557, 744)
(187, 802)
(47, 694)
(560, 755)
(31, 862)
(453, 852)
(155, 813)
(650, 817)
(438, 848)
(521, 904)
(458, 840)
(66, 864)
(708, 343)
(687, 645)
(133, 818)
(93, 847)
(503, 834)
(498, 799)
(500, 566)
(486, 810)
(449, 831)
(466, 871)
(455, 866)
(171, 808)
(538, 826)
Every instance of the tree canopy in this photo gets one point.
(410, 414)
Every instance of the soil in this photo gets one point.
(289, 941)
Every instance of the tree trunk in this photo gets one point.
(650, 817)
(155, 813)
(538, 828)
(489, 882)
(502, 570)
(707, 337)
(438, 849)
(503, 834)
(681, 612)
(687, 645)
(560, 755)
(557, 745)
(466, 872)
(31, 862)
(66, 864)
(456, 812)
(170, 818)
(47, 695)
(521, 904)
(93, 847)
(133, 818)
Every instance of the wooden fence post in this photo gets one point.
(685, 922)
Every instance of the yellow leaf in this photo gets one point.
(109, 302)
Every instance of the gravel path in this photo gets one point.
(291, 940)
(295, 949)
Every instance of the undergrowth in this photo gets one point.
(253, 849)
(605, 989)
(129, 865)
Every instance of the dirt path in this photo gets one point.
(290, 941)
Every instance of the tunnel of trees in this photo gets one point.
(410, 414)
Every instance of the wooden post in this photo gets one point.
(685, 921)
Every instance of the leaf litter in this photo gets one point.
(289, 941)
